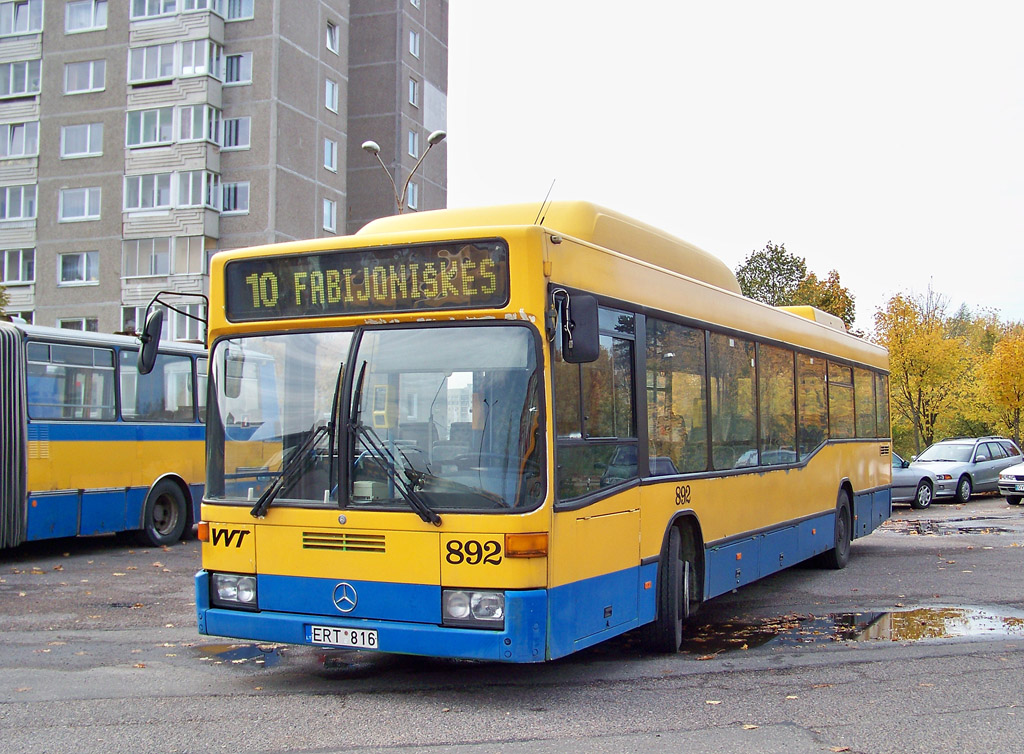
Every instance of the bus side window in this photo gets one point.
(813, 418)
(733, 402)
(676, 398)
(594, 412)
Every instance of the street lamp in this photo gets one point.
(374, 148)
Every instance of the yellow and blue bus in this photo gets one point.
(90, 446)
(482, 434)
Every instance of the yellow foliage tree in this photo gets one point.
(927, 367)
(1002, 377)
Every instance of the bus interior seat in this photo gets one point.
(419, 434)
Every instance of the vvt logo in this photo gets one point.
(227, 536)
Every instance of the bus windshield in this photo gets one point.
(439, 418)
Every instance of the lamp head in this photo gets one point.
(435, 137)
(373, 147)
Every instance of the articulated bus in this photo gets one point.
(90, 446)
(482, 434)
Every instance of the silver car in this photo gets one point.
(914, 485)
(1011, 483)
(965, 465)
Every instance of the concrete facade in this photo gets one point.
(167, 130)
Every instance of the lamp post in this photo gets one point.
(374, 148)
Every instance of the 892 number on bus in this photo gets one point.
(472, 552)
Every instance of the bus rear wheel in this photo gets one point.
(163, 521)
(839, 555)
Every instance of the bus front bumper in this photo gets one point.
(521, 640)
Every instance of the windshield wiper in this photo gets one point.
(288, 470)
(380, 452)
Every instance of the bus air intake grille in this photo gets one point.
(344, 541)
(883, 450)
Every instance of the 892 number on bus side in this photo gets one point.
(472, 552)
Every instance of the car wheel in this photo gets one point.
(1013, 499)
(963, 489)
(923, 496)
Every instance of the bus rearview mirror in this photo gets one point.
(150, 341)
(234, 368)
(580, 339)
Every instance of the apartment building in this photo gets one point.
(140, 137)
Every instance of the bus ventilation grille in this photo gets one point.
(345, 541)
(883, 450)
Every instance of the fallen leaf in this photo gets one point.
(792, 696)
(139, 665)
(748, 726)
(840, 748)
(711, 701)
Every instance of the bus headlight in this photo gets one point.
(476, 609)
(233, 590)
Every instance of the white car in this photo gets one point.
(912, 484)
(1011, 483)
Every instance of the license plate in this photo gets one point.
(342, 637)
(1018, 488)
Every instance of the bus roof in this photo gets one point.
(85, 338)
(582, 221)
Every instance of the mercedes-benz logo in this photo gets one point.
(345, 597)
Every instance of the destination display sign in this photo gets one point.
(454, 275)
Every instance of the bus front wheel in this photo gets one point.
(677, 594)
(164, 519)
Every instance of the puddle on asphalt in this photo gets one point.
(919, 624)
(238, 654)
(932, 527)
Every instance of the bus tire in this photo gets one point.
(839, 555)
(165, 515)
(678, 593)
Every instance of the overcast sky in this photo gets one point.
(884, 140)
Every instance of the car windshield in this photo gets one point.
(957, 452)
(441, 419)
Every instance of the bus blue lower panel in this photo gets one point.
(522, 640)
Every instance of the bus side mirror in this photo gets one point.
(581, 342)
(150, 341)
(234, 368)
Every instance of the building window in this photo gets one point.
(153, 8)
(331, 96)
(238, 68)
(414, 43)
(21, 17)
(333, 39)
(239, 10)
(236, 198)
(330, 215)
(79, 204)
(88, 324)
(217, 6)
(414, 3)
(19, 79)
(236, 133)
(412, 201)
(85, 15)
(19, 139)
(199, 123)
(145, 257)
(85, 76)
(153, 63)
(201, 57)
(189, 255)
(146, 128)
(199, 188)
(414, 143)
(18, 202)
(81, 140)
(79, 268)
(17, 266)
(331, 155)
(414, 92)
(150, 191)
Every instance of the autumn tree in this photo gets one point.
(3, 300)
(1002, 376)
(829, 295)
(771, 275)
(927, 365)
